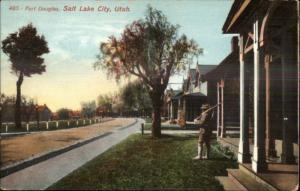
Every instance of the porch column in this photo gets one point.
(171, 111)
(185, 109)
(168, 107)
(243, 154)
(258, 159)
(270, 141)
(287, 145)
(298, 55)
(223, 130)
(218, 110)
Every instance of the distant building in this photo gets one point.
(74, 114)
(171, 100)
(196, 83)
(44, 113)
(188, 101)
(223, 87)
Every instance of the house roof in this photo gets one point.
(203, 69)
(74, 113)
(44, 107)
(195, 94)
(177, 96)
(240, 11)
(230, 64)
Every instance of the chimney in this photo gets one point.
(234, 44)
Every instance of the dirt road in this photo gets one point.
(14, 149)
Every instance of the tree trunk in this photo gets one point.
(157, 102)
(18, 103)
(156, 124)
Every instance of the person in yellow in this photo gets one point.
(203, 121)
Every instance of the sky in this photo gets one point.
(74, 36)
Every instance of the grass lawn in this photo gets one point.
(141, 162)
(171, 127)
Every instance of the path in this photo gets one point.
(44, 174)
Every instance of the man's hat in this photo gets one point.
(205, 106)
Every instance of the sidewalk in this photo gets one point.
(42, 175)
(186, 132)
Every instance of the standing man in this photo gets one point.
(205, 129)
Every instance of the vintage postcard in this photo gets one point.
(149, 94)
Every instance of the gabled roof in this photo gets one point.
(44, 107)
(230, 64)
(204, 69)
(74, 113)
(239, 12)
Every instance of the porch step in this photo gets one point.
(244, 181)
(246, 168)
(228, 185)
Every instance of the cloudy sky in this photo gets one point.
(73, 38)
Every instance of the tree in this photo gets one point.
(7, 105)
(28, 108)
(63, 113)
(6, 108)
(25, 49)
(88, 109)
(105, 101)
(151, 50)
(135, 97)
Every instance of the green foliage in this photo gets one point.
(7, 104)
(105, 101)
(135, 97)
(88, 109)
(63, 113)
(25, 49)
(143, 163)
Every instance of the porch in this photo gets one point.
(278, 176)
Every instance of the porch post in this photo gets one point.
(243, 154)
(223, 130)
(287, 145)
(270, 142)
(298, 55)
(171, 110)
(218, 110)
(258, 159)
(168, 110)
(185, 108)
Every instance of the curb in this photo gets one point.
(127, 126)
(42, 157)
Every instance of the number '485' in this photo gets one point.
(13, 7)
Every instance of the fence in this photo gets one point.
(50, 125)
